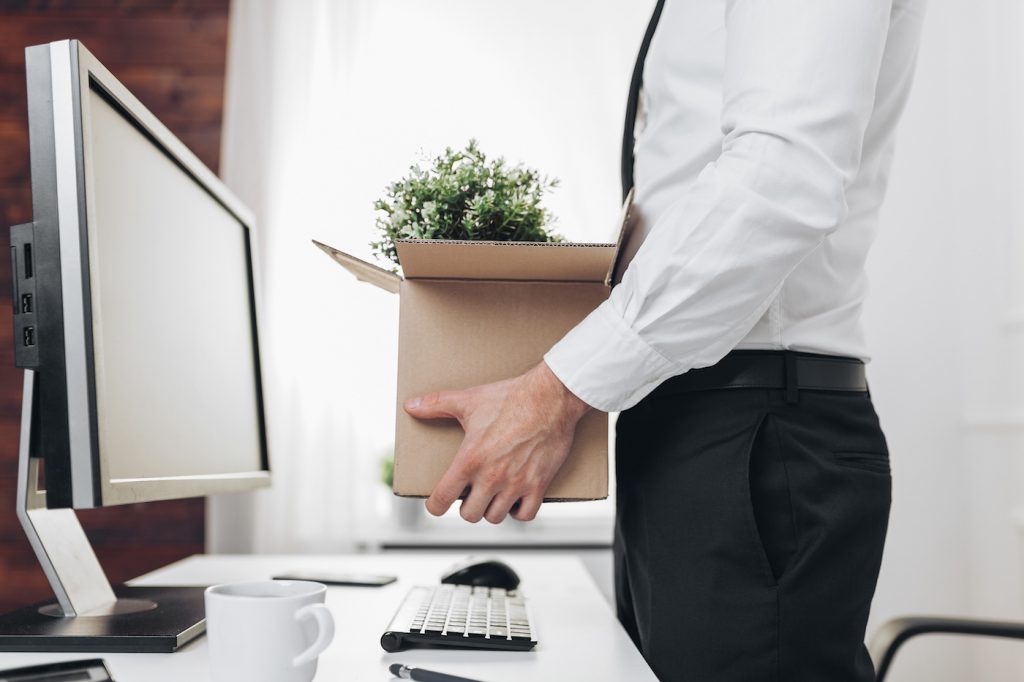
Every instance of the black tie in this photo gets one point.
(634, 100)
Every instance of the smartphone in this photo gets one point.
(329, 578)
(93, 669)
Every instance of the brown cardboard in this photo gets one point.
(502, 332)
(364, 272)
(505, 261)
(476, 312)
(630, 237)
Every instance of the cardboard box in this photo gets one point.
(476, 312)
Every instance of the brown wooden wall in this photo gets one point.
(171, 54)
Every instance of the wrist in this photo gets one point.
(569, 402)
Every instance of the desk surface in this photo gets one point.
(579, 637)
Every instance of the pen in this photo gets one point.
(421, 675)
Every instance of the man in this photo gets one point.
(753, 478)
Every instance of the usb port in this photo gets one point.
(28, 336)
(26, 303)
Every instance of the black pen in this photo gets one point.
(421, 675)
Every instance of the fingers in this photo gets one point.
(481, 499)
(441, 405)
(528, 507)
(488, 493)
(438, 405)
(452, 485)
(489, 489)
(476, 503)
(488, 479)
(498, 509)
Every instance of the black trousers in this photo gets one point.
(749, 533)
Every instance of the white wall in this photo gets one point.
(943, 375)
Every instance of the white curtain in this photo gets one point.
(327, 102)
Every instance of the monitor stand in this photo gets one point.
(89, 615)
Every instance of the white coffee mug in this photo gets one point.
(267, 631)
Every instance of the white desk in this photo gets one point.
(578, 634)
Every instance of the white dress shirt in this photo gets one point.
(760, 168)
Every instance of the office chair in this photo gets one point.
(893, 634)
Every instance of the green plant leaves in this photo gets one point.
(462, 195)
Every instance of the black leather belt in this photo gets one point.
(786, 370)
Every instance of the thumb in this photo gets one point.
(439, 405)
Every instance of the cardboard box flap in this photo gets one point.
(625, 249)
(364, 272)
(505, 261)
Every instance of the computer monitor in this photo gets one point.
(136, 320)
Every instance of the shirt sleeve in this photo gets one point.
(798, 92)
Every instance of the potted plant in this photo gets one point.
(464, 195)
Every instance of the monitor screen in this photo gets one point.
(138, 301)
(174, 351)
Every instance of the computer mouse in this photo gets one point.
(482, 573)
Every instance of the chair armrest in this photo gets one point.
(893, 634)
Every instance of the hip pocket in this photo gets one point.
(771, 508)
(874, 462)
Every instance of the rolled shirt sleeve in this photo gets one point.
(799, 86)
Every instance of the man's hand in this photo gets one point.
(518, 434)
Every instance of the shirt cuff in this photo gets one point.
(606, 364)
